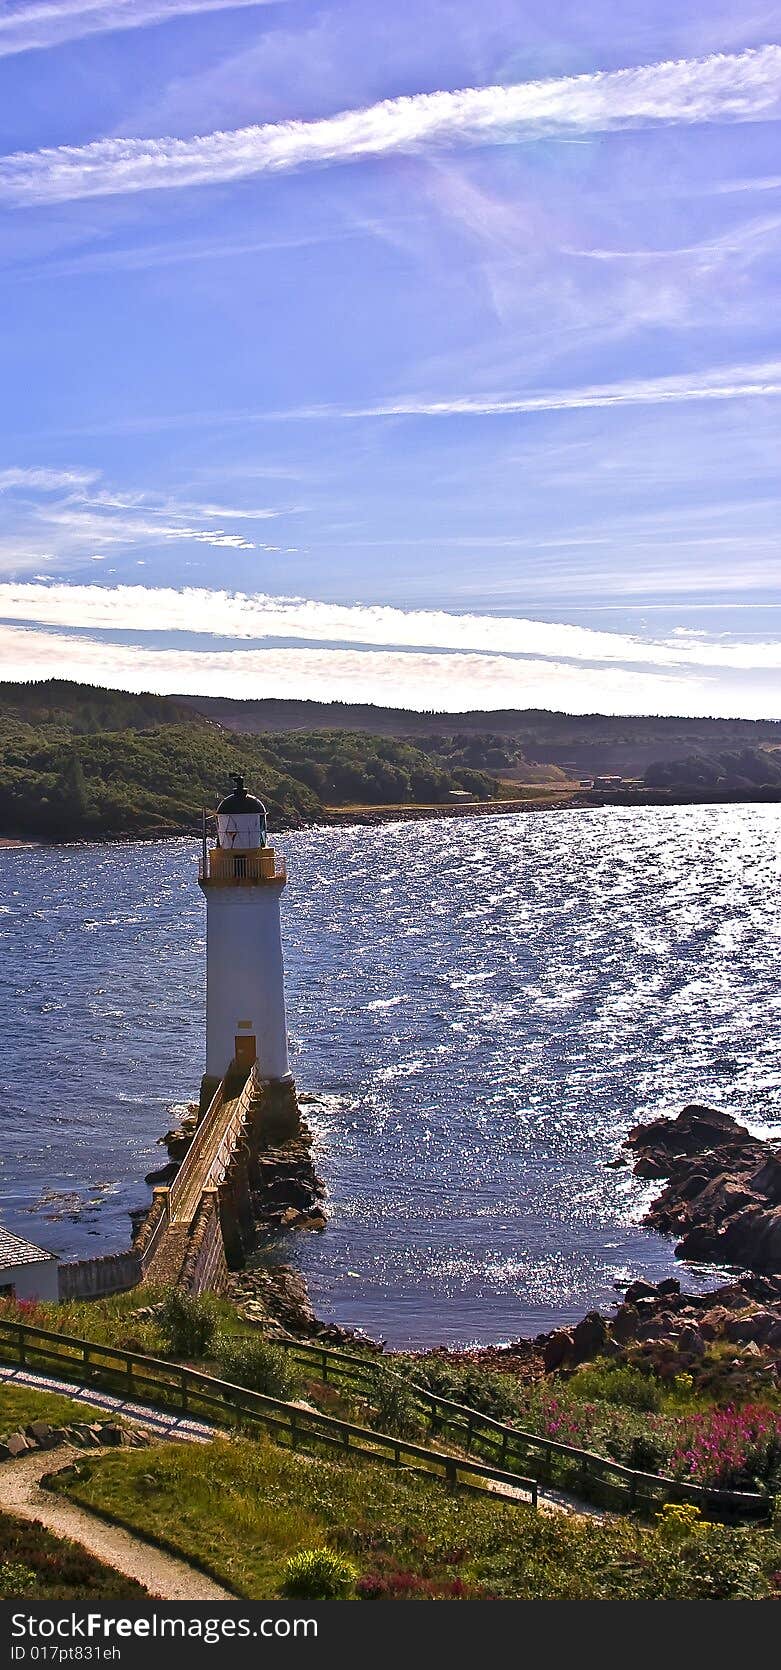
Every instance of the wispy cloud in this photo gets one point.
(720, 88)
(90, 527)
(37, 26)
(45, 480)
(730, 383)
(736, 382)
(148, 257)
(259, 616)
(78, 517)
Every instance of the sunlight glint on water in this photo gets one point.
(485, 1006)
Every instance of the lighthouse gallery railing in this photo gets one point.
(242, 869)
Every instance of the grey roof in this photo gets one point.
(15, 1251)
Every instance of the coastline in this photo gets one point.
(655, 1324)
(337, 817)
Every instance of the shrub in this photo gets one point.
(492, 1393)
(646, 1452)
(716, 1563)
(251, 1361)
(617, 1383)
(187, 1324)
(679, 1521)
(394, 1407)
(319, 1574)
(15, 1579)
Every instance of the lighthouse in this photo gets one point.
(242, 879)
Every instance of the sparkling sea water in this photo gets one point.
(483, 1006)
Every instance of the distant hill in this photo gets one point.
(79, 762)
(741, 772)
(583, 745)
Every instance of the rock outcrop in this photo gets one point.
(723, 1193)
(672, 1332)
(85, 1435)
(275, 1297)
(288, 1193)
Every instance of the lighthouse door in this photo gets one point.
(246, 1049)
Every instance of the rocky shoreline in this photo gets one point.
(723, 1194)
(722, 1198)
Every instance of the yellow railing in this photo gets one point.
(241, 869)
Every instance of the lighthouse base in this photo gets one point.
(278, 1116)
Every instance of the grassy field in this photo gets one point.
(243, 1507)
(719, 1428)
(21, 1404)
(36, 1564)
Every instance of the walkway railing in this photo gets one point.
(592, 1476)
(149, 1380)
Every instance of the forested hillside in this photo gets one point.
(730, 773)
(581, 745)
(77, 762)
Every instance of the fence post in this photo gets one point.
(130, 1387)
(22, 1356)
(85, 1355)
(185, 1404)
(325, 1368)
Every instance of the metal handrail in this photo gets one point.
(239, 868)
(205, 1132)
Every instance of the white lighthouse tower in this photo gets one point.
(245, 984)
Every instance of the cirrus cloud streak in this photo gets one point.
(721, 88)
(37, 27)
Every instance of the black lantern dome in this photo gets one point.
(240, 801)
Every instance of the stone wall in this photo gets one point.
(204, 1269)
(95, 1278)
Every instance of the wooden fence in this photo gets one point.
(141, 1379)
(594, 1477)
(495, 1453)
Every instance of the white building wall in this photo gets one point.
(37, 1280)
(245, 980)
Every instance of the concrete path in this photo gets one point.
(163, 1576)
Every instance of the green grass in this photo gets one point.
(21, 1404)
(115, 1321)
(35, 1563)
(243, 1508)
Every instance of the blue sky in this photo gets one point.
(425, 355)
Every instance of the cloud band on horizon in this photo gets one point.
(720, 88)
(196, 611)
(416, 680)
